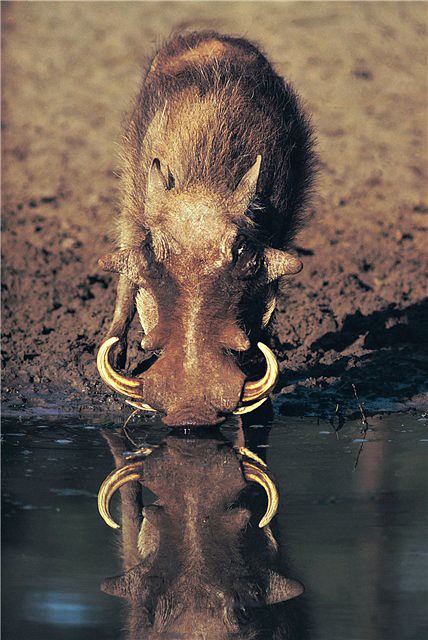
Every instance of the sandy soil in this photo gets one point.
(355, 313)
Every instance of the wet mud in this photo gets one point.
(355, 313)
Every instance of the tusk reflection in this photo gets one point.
(247, 453)
(249, 407)
(116, 479)
(257, 471)
(260, 473)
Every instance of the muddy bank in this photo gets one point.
(354, 315)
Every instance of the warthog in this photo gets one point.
(218, 165)
(198, 563)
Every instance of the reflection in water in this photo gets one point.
(358, 538)
(58, 607)
(196, 563)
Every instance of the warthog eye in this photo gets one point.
(247, 257)
(147, 250)
(241, 613)
(154, 252)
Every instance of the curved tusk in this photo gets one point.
(253, 473)
(249, 407)
(113, 482)
(260, 388)
(140, 405)
(127, 386)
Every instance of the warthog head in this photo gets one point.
(205, 282)
(199, 562)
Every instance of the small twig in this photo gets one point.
(360, 406)
(363, 422)
(336, 412)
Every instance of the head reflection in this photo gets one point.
(197, 564)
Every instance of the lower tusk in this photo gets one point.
(253, 390)
(249, 407)
(140, 405)
(269, 311)
(260, 474)
(116, 479)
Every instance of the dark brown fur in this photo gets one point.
(209, 106)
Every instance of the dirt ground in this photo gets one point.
(355, 313)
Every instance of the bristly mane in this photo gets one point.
(228, 105)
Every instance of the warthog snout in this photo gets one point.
(200, 393)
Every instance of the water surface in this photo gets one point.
(355, 537)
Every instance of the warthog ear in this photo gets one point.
(281, 589)
(246, 188)
(280, 263)
(159, 179)
(115, 262)
(128, 262)
(132, 585)
(114, 586)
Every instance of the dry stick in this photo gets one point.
(336, 414)
(364, 422)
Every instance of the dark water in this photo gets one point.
(355, 538)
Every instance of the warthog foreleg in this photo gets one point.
(123, 314)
